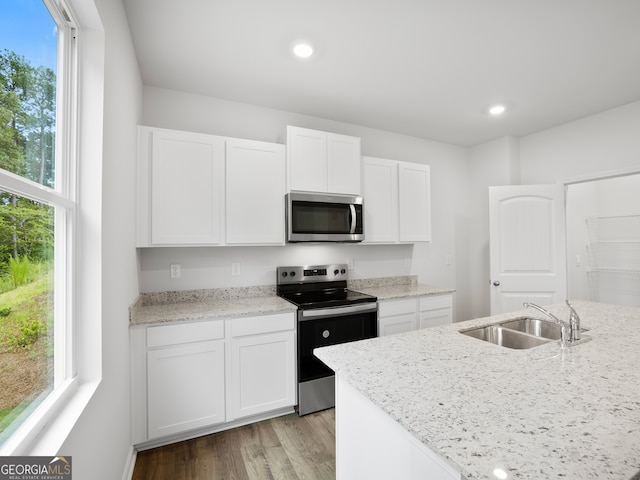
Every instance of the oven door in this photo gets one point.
(330, 326)
(324, 218)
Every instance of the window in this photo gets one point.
(37, 209)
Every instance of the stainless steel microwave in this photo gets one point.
(317, 217)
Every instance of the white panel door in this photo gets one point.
(307, 162)
(414, 190)
(380, 192)
(343, 164)
(527, 246)
(263, 373)
(256, 176)
(187, 182)
(186, 387)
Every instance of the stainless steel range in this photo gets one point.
(328, 313)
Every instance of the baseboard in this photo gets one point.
(159, 442)
(130, 464)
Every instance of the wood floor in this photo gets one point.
(287, 448)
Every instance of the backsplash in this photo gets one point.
(213, 294)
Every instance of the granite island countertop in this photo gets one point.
(539, 413)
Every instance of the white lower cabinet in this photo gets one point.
(408, 314)
(396, 316)
(263, 367)
(262, 364)
(201, 374)
(185, 387)
(435, 310)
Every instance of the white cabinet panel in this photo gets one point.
(186, 387)
(380, 192)
(255, 188)
(165, 335)
(343, 164)
(186, 186)
(396, 324)
(414, 188)
(397, 201)
(263, 373)
(435, 310)
(307, 157)
(405, 315)
(322, 162)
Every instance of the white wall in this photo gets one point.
(100, 441)
(211, 267)
(605, 142)
(491, 164)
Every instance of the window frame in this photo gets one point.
(63, 198)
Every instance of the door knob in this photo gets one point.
(496, 283)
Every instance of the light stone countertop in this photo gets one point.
(178, 306)
(388, 292)
(538, 413)
(208, 306)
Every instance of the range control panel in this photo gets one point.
(312, 273)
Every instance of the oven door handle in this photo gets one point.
(338, 311)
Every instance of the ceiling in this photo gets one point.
(426, 68)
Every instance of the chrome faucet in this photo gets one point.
(574, 323)
(565, 328)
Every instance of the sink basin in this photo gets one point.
(535, 327)
(506, 337)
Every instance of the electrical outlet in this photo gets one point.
(350, 263)
(175, 270)
(235, 269)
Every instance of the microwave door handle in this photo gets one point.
(353, 219)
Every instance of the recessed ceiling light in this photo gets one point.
(497, 109)
(303, 50)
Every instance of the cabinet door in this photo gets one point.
(185, 387)
(307, 159)
(380, 191)
(414, 188)
(186, 187)
(435, 318)
(263, 373)
(343, 164)
(396, 324)
(255, 173)
(435, 310)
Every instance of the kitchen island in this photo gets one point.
(489, 412)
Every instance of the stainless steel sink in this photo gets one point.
(535, 327)
(506, 337)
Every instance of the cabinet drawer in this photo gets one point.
(396, 307)
(436, 301)
(184, 333)
(262, 324)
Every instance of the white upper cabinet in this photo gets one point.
(181, 182)
(414, 202)
(196, 189)
(397, 201)
(322, 162)
(380, 192)
(255, 188)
